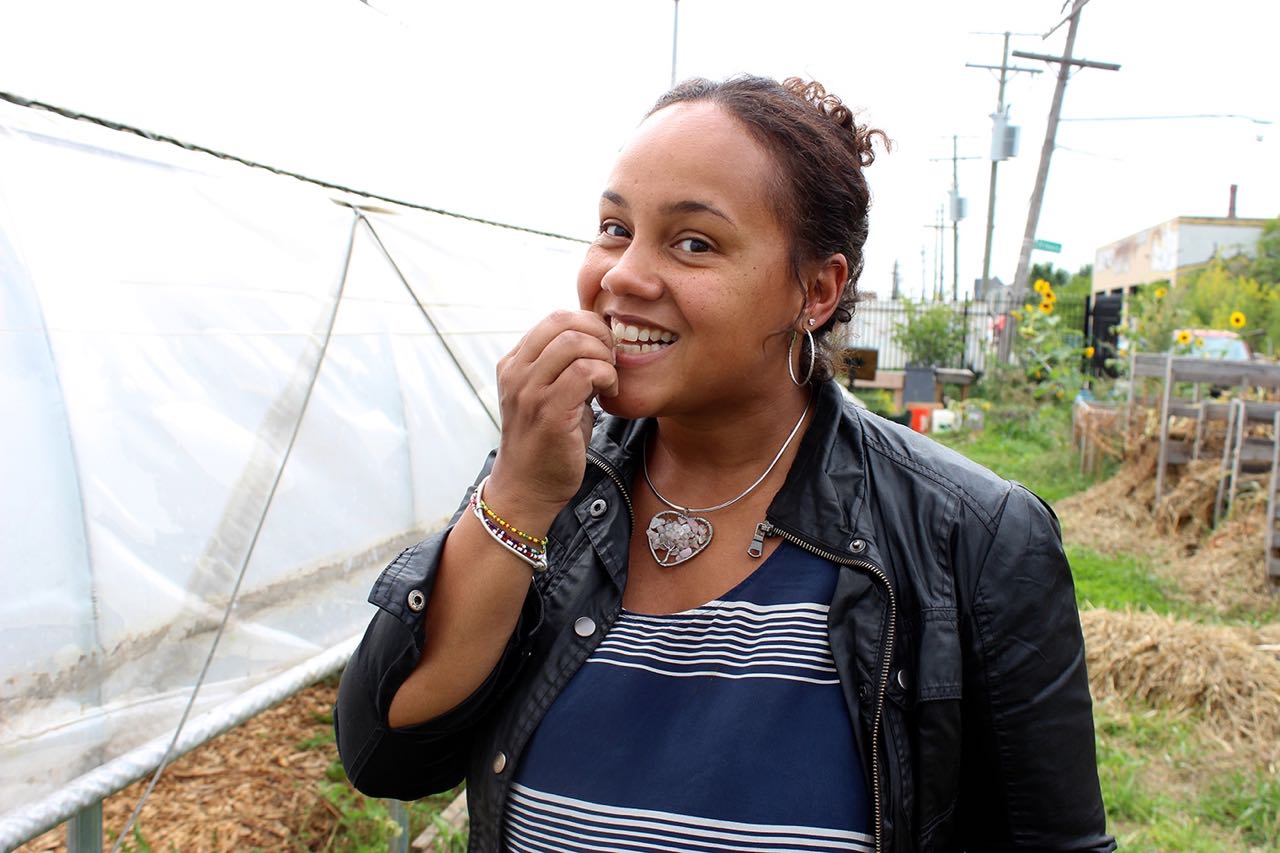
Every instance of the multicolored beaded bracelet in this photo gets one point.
(533, 552)
(540, 541)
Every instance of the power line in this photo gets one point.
(20, 101)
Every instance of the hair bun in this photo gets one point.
(835, 110)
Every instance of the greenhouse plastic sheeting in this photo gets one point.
(177, 333)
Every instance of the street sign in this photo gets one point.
(1047, 246)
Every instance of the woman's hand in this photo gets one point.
(545, 387)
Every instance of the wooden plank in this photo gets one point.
(1269, 543)
(1226, 456)
(1163, 458)
(952, 376)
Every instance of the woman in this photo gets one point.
(758, 618)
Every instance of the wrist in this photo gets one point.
(518, 507)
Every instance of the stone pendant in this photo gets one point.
(675, 537)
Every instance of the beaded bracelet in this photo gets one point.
(533, 551)
(538, 541)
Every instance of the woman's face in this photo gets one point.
(691, 268)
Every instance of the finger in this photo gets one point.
(547, 329)
(563, 350)
(582, 380)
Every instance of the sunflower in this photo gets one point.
(1184, 337)
(1089, 351)
(1041, 286)
(1237, 319)
(1046, 307)
(1029, 308)
(1049, 296)
(1161, 292)
(1198, 342)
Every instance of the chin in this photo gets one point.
(626, 406)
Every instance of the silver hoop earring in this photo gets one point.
(812, 355)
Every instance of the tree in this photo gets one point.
(1265, 266)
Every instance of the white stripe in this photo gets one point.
(713, 673)
(720, 603)
(792, 650)
(737, 662)
(583, 825)
(633, 816)
(734, 644)
(580, 835)
(747, 630)
(726, 615)
(723, 629)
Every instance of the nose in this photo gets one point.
(636, 272)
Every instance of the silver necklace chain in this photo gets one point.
(644, 464)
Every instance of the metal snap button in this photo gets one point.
(864, 692)
(902, 679)
(598, 507)
(416, 600)
(499, 762)
(857, 546)
(584, 626)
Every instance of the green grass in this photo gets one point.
(1163, 794)
(1030, 446)
(1119, 582)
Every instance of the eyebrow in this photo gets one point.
(686, 206)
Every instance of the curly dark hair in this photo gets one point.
(822, 195)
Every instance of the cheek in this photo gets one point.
(589, 276)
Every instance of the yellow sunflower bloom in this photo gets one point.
(1028, 308)
(1237, 319)
(1161, 292)
(1184, 337)
(1089, 351)
(1049, 296)
(1046, 307)
(1199, 342)
(1041, 286)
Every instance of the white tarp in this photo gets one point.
(176, 333)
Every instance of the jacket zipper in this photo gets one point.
(765, 529)
(604, 466)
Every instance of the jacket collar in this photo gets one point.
(822, 499)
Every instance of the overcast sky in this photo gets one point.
(513, 111)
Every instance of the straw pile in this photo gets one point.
(1217, 672)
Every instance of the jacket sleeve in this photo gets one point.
(412, 762)
(1030, 779)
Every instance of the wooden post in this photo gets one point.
(1164, 427)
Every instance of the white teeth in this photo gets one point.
(641, 339)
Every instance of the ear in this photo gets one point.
(823, 286)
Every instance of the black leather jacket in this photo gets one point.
(953, 626)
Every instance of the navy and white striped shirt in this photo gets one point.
(718, 728)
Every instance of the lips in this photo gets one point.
(640, 339)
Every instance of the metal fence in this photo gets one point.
(874, 323)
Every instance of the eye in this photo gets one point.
(614, 229)
(694, 245)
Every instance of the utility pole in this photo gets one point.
(939, 263)
(959, 207)
(675, 34)
(1065, 63)
(1000, 117)
(896, 293)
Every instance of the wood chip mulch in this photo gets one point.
(257, 787)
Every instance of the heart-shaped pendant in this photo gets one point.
(675, 537)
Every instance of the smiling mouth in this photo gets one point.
(638, 340)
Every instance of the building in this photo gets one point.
(1170, 249)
